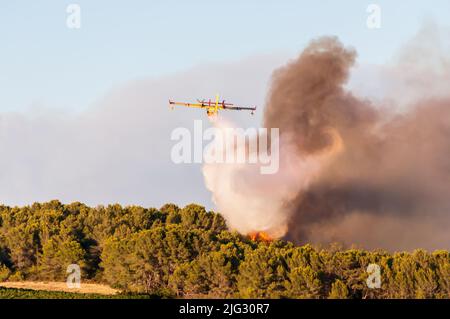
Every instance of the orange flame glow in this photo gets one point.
(260, 236)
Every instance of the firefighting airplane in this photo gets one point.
(212, 108)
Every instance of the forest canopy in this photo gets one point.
(189, 252)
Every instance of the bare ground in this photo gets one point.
(87, 288)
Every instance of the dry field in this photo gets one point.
(87, 288)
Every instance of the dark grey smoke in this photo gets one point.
(389, 187)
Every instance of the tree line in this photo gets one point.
(189, 252)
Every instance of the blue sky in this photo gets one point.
(43, 63)
(114, 76)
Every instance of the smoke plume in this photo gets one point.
(350, 171)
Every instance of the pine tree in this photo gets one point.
(339, 290)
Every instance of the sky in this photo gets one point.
(83, 112)
(44, 63)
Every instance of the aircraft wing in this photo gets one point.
(198, 105)
(240, 108)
